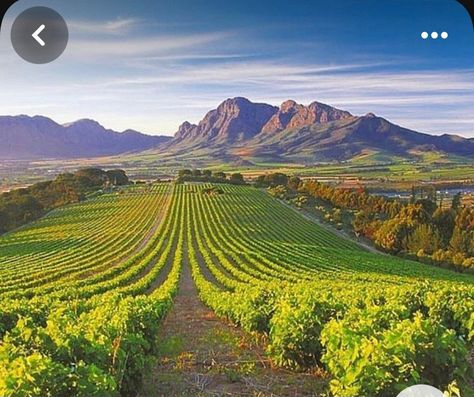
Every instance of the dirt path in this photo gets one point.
(313, 218)
(201, 355)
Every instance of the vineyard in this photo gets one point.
(84, 289)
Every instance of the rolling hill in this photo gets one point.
(24, 137)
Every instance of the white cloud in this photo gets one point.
(113, 27)
(91, 48)
(154, 83)
(303, 78)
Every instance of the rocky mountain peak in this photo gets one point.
(294, 115)
(239, 127)
(235, 119)
(236, 102)
(288, 105)
(185, 130)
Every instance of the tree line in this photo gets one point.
(197, 175)
(21, 206)
(422, 229)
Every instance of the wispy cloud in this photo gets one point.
(126, 73)
(344, 85)
(278, 75)
(195, 56)
(430, 101)
(139, 47)
(117, 27)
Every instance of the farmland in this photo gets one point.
(84, 291)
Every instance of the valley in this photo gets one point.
(316, 141)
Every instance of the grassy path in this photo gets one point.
(313, 218)
(201, 355)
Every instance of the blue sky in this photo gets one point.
(151, 64)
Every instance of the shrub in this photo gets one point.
(381, 350)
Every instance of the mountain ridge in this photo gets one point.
(235, 119)
(236, 131)
(36, 137)
(314, 132)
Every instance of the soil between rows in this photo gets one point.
(202, 355)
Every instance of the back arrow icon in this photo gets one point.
(35, 35)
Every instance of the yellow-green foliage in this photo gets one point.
(80, 300)
(376, 323)
(87, 336)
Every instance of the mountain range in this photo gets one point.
(241, 129)
(24, 137)
(237, 130)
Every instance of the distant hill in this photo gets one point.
(240, 129)
(24, 137)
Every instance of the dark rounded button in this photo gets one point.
(39, 35)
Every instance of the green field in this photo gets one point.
(84, 289)
(368, 170)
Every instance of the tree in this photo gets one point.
(294, 183)
(279, 191)
(220, 175)
(24, 205)
(185, 172)
(91, 177)
(458, 259)
(456, 203)
(337, 215)
(423, 237)
(362, 220)
(443, 220)
(260, 181)
(413, 194)
(276, 179)
(196, 173)
(237, 179)
(468, 263)
(117, 177)
(413, 213)
(392, 235)
(427, 205)
(465, 218)
(3, 221)
(461, 241)
(430, 193)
